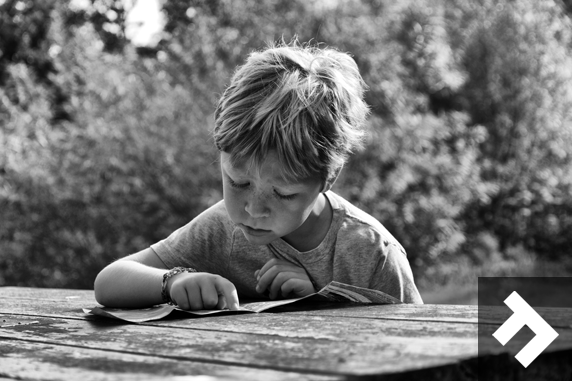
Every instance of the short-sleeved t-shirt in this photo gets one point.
(356, 250)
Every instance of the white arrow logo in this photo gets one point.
(523, 315)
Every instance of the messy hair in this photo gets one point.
(304, 102)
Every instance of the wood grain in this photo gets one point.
(300, 341)
(41, 361)
(319, 353)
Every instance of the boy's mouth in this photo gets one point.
(253, 231)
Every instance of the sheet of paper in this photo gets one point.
(132, 315)
(334, 291)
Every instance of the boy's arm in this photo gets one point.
(131, 282)
(135, 282)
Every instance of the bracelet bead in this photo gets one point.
(169, 274)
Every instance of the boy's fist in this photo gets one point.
(202, 291)
(282, 278)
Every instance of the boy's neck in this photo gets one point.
(313, 231)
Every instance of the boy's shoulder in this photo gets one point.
(358, 224)
(213, 225)
(215, 214)
(352, 211)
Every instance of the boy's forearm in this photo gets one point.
(129, 284)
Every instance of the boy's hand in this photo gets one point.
(281, 277)
(202, 291)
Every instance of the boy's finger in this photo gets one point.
(278, 281)
(298, 287)
(268, 265)
(194, 297)
(227, 289)
(209, 296)
(265, 280)
(280, 264)
(275, 262)
(289, 286)
(221, 305)
(180, 298)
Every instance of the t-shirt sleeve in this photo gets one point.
(369, 256)
(203, 244)
(393, 274)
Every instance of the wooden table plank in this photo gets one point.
(28, 360)
(45, 293)
(68, 302)
(557, 317)
(426, 312)
(298, 325)
(393, 342)
(315, 355)
(350, 329)
(438, 339)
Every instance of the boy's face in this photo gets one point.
(265, 207)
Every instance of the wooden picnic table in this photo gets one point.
(45, 335)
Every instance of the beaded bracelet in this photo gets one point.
(174, 271)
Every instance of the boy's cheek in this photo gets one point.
(231, 207)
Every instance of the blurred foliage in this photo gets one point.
(105, 147)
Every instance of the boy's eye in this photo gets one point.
(237, 185)
(285, 196)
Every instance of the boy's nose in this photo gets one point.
(256, 206)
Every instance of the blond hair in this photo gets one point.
(304, 102)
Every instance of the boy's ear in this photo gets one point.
(329, 183)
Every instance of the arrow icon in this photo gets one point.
(523, 315)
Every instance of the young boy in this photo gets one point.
(284, 128)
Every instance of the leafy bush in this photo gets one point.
(105, 147)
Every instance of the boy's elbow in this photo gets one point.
(101, 289)
(99, 294)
